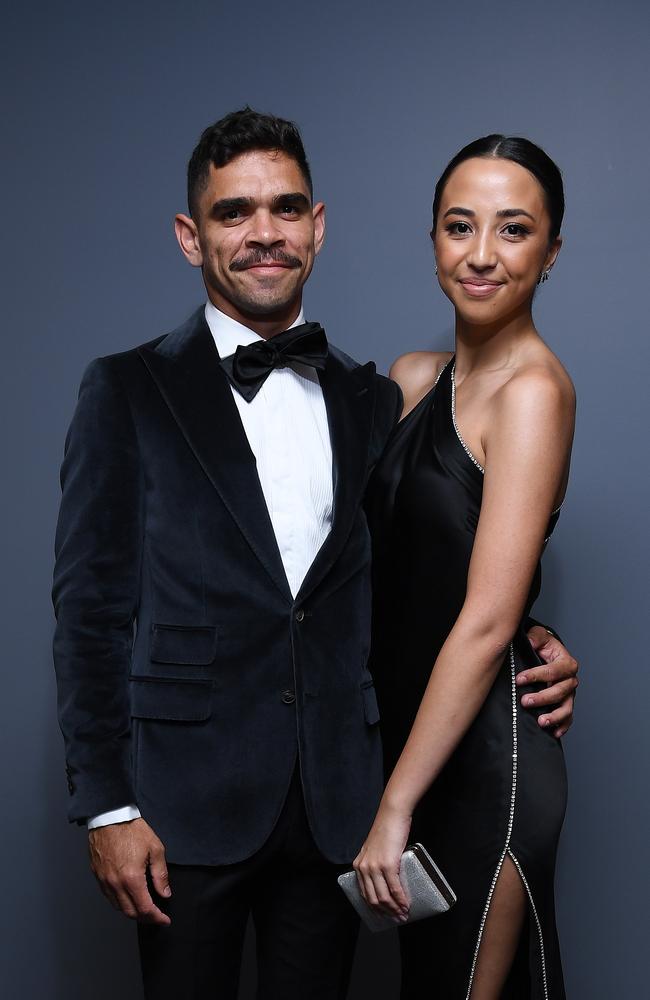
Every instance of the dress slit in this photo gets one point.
(533, 908)
(484, 917)
(511, 819)
(507, 852)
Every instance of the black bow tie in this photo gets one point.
(251, 364)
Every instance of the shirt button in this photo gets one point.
(300, 614)
(288, 697)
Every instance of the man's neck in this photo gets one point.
(265, 326)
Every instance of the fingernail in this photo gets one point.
(521, 678)
(167, 891)
(527, 700)
(545, 722)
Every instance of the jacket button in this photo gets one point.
(288, 697)
(300, 614)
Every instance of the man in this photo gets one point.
(212, 491)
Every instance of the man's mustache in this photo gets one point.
(261, 257)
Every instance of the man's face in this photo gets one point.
(255, 236)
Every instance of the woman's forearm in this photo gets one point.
(460, 682)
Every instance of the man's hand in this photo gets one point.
(119, 857)
(559, 672)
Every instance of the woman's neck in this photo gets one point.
(492, 346)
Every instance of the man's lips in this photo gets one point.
(266, 262)
(271, 266)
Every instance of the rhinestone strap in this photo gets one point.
(442, 371)
(453, 417)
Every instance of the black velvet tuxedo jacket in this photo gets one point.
(190, 681)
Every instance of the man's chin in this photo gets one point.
(260, 310)
(260, 301)
(267, 305)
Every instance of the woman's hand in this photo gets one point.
(377, 863)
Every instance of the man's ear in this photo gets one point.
(188, 239)
(319, 225)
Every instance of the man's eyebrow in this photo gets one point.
(296, 198)
(227, 204)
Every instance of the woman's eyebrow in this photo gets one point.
(509, 213)
(456, 210)
(506, 213)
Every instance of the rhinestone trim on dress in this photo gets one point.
(511, 817)
(442, 371)
(506, 848)
(453, 417)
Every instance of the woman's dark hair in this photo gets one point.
(242, 132)
(521, 151)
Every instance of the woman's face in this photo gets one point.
(492, 239)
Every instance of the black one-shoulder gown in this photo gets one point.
(503, 792)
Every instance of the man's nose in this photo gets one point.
(264, 230)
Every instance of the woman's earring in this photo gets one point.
(545, 275)
(435, 270)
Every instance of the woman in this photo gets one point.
(471, 484)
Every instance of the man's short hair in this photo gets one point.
(242, 132)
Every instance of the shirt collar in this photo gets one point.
(229, 334)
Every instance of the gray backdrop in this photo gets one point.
(104, 103)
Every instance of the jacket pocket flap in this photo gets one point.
(370, 706)
(194, 645)
(175, 701)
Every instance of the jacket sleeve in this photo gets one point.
(388, 410)
(530, 622)
(95, 594)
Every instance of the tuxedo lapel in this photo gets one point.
(349, 400)
(185, 366)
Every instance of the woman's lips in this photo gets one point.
(479, 289)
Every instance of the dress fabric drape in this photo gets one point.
(502, 794)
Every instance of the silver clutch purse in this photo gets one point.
(426, 888)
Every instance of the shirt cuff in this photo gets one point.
(123, 815)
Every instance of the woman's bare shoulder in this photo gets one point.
(541, 378)
(416, 373)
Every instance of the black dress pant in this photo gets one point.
(306, 930)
